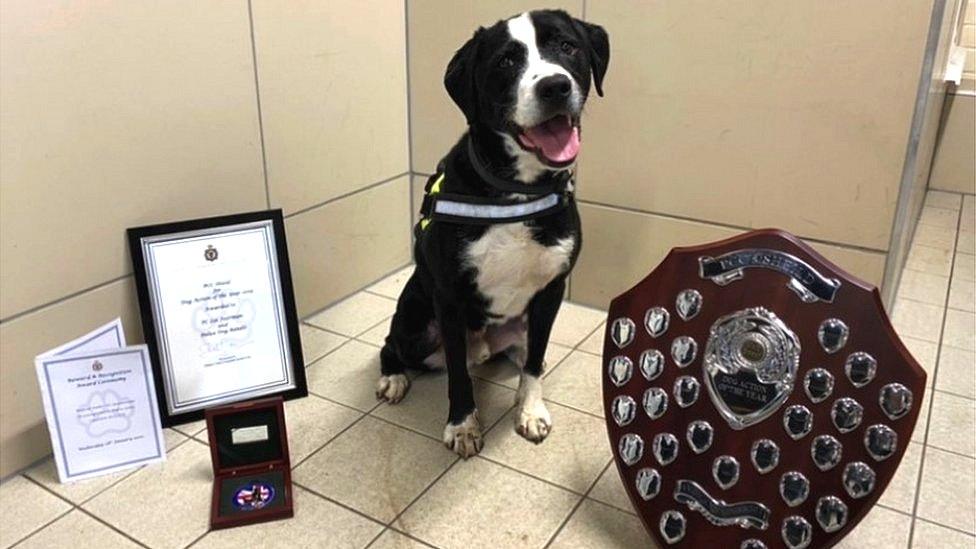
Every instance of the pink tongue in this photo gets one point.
(557, 139)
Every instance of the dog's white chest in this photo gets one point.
(512, 266)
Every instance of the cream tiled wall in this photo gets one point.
(967, 39)
(923, 134)
(118, 114)
(954, 168)
(802, 109)
(621, 246)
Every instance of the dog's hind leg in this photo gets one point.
(478, 349)
(393, 383)
(408, 342)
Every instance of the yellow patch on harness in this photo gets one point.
(434, 189)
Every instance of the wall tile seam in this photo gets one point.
(639, 211)
(79, 293)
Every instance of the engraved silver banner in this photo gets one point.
(746, 514)
(809, 284)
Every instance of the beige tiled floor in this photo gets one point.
(933, 313)
(369, 474)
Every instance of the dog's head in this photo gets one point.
(527, 79)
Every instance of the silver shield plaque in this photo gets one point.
(751, 360)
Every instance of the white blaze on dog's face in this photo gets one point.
(527, 79)
(548, 101)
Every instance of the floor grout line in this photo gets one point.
(337, 403)
(79, 507)
(411, 536)
(98, 493)
(953, 452)
(946, 526)
(44, 526)
(337, 502)
(577, 506)
(530, 475)
(197, 540)
(337, 435)
(371, 326)
(319, 359)
(957, 395)
(376, 537)
(913, 300)
(935, 377)
(348, 296)
(407, 428)
(419, 496)
(130, 537)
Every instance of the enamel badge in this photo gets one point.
(253, 496)
(756, 395)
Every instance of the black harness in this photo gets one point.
(544, 199)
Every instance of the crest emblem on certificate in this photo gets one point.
(210, 254)
(756, 395)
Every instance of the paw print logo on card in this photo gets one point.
(105, 412)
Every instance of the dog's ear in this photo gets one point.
(597, 45)
(459, 78)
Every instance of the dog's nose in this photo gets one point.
(554, 88)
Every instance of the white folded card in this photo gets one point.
(100, 403)
(109, 336)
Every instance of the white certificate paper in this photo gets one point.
(109, 336)
(219, 315)
(101, 410)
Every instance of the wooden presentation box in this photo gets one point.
(252, 470)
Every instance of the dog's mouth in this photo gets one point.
(556, 142)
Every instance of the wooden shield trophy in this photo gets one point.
(756, 395)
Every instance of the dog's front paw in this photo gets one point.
(392, 388)
(533, 421)
(464, 438)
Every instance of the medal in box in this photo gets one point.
(252, 470)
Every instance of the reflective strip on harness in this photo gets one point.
(482, 210)
(494, 211)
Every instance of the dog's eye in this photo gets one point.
(568, 47)
(507, 61)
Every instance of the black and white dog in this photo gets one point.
(487, 285)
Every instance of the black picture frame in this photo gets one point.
(136, 236)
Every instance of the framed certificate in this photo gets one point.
(218, 312)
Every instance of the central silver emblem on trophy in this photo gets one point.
(750, 362)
